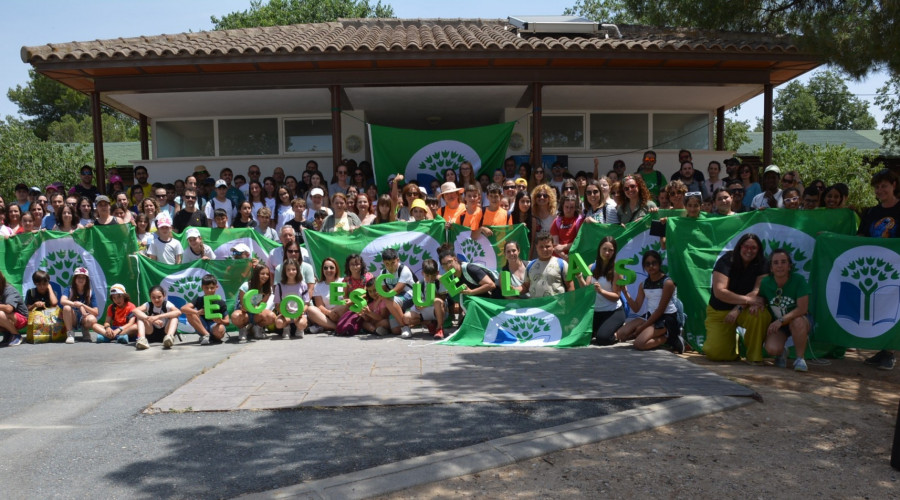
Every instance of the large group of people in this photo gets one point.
(765, 298)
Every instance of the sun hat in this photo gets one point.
(450, 187)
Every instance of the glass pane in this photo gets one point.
(681, 131)
(619, 131)
(248, 137)
(176, 139)
(562, 131)
(301, 136)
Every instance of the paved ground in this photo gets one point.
(77, 420)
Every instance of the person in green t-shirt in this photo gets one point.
(654, 179)
(786, 294)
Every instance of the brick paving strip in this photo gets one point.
(327, 371)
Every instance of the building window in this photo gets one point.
(681, 131)
(619, 130)
(248, 137)
(307, 135)
(562, 131)
(188, 138)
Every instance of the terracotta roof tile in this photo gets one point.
(348, 36)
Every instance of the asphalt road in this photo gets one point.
(72, 426)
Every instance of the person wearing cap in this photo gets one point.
(452, 209)
(340, 219)
(316, 197)
(164, 247)
(220, 201)
(103, 215)
(121, 324)
(419, 211)
(196, 250)
(79, 306)
(189, 215)
(240, 251)
(86, 187)
(771, 196)
(201, 173)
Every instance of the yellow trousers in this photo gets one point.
(721, 337)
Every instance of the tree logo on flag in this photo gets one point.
(636, 247)
(478, 251)
(797, 243)
(428, 163)
(413, 247)
(183, 287)
(524, 327)
(60, 257)
(863, 290)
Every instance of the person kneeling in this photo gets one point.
(786, 294)
(660, 323)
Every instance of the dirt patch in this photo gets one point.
(823, 434)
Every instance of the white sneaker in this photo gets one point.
(142, 344)
(315, 329)
(259, 333)
(286, 333)
(382, 331)
(168, 341)
(407, 333)
(204, 340)
(70, 339)
(242, 333)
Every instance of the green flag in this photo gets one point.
(414, 241)
(102, 250)
(422, 155)
(223, 240)
(488, 251)
(557, 321)
(182, 281)
(699, 243)
(856, 289)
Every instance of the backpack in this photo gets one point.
(494, 275)
(348, 325)
(559, 261)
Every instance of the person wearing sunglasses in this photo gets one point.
(85, 187)
(189, 215)
(736, 190)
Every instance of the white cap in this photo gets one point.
(240, 248)
(220, 184)
(772, 168)
(192, 233)
(317, 192)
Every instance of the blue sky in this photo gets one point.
(58, 21)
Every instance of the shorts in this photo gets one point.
(427, 313)
(157, 335)
(404, 300)
(209, 324)
(669, 322)
(786, 329)
(21, 321)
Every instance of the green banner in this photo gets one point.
(699, 243)
(223, 240)
(488, 251)
(102, 250)
(561, 320)
(422, 155)
(857, 291)
(414, 241)
(182, 281)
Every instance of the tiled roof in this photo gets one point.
(359, 36)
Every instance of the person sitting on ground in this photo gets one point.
(609, 312)
(432, 315)
(546, 275)
(79, 306)
(375, 314)
(786, 294)
(42, 296)
(255, 322)
(121, 323)
(659, 325)
(209, 324)
(735, 301)
(292, 283)
(324, 315)
(157, 320)
(196, 250)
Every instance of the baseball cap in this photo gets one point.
(192, 233)
(240, 248)
(220, 184)
(21, 186)
(163, 220)
(82, 271)
(101, 197)
(317, 192)
(114, 179)
(772, 168)
(117, 289)
(35, 190)
(521, 182)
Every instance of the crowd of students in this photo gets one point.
(767, 299)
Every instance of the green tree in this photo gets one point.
(737, 133)
(604, 11)
(47, 101)
(115, 129)
(830, 163)
(284, 12)
(24, 156)
(856, 35)
(888, 99)
(825, 103)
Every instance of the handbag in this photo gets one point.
(44, 326)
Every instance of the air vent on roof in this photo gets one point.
(561, 25)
